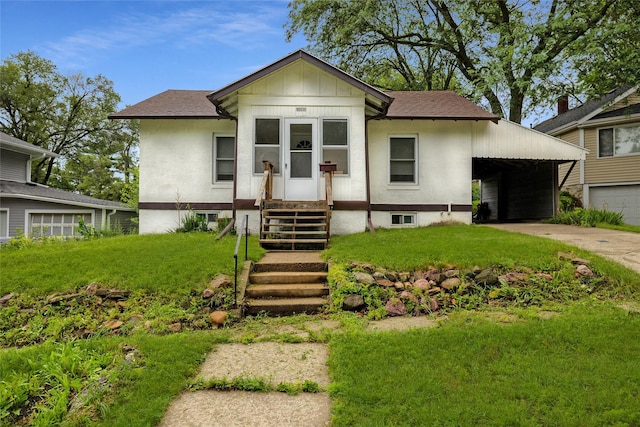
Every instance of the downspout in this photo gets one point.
(225, 114)
(381, 115)
(108, 219)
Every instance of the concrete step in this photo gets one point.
(288, 277)
(291, 290)
(283, 306)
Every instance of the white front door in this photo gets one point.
(301, 159)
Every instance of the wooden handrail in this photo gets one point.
(328, 182)
(266, 186)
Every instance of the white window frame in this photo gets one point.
(403, 216)
(211, 217)
(215, 159)
(613, 128)
(6, 223)
(72, 212)
(346, 147)
(254, 145)
(415, 160)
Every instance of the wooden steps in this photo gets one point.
(287, 283)
(294, 225)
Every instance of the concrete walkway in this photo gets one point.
(620, 246)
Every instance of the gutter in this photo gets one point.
(225, 114)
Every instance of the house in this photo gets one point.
(609, 127)
(35, 209)
(302, 132)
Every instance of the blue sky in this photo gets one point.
(147, 47)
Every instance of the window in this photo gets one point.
(402, 159)
(403, 220)
(4, 223)
(223, 149)
(619, 141)
(267, 144)
(57, 223)
(335, 144)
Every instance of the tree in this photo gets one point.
(514, 55)
(67, 115)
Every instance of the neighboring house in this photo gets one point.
(35, 209)
(401, 158)
(609, 128)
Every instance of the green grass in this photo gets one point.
(174, 262)
(580, 368)
(626, 227)
(464, 246)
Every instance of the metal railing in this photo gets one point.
(244, 229)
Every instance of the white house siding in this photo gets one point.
(444, 169)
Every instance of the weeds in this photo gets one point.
(588, 217)
(255, 384)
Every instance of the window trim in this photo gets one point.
(613, 128)
(346, 147)
(254, 145)
(7, 223)
(403, 215)
(214, 163)
(28, 212)
(416, 156)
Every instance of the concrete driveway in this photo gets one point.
(620, 246)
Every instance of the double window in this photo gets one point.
(619, 141)
(403, 220)
(223, 149)
(403, 157)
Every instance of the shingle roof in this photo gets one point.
(444, 105)
(35, 191)
(577, 113)
(171, 104)
(16, 144)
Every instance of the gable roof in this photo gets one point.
(584, 112)
(443, 105)
(32, 191)
(16, 144)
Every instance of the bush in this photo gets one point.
(588, 217)
(569, 202)
(193, 222)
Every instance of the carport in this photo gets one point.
(518, 170)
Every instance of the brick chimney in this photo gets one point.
(563, 104)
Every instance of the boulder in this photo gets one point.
(364, 278)
(583, 271)
(433, 275)
(450, 283)
(218, 318)
(486, 277)
(422, 284)
(395, 307)
(221, 281)
(385, 283)
(434, 305)
(208, 293)
(407, 295)
(452, 273)
(353, 302)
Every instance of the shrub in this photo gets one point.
(588, 217)
(193, 222)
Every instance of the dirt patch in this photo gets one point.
(402, 324)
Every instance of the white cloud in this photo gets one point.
(179, 25)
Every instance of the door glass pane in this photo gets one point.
(301, 164)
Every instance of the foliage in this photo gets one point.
(513, 55)
(68, 116)
(588, 217)
(256, 384)
(473, 371)
(191, 222)
(569, 202)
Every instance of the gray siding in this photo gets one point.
(13, 166)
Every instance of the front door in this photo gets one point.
(301, 159)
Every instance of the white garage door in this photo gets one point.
(621, 198)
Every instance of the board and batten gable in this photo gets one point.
(176, 164)
(301, 90)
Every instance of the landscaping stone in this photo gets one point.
(545, 276)
(363, 266)
(208, 293)
(486, 277)
(92, 288)
(583, 271)
(385, 283)
(353, 302)
(113, 324)
(217, 318)
(514, 277)
(452, 273)
(175, 327)
(395, 307)
(450, 283)
(407, 295)
(6, 298)
(434, 305)
(221, 281)
(422, 284)
(434, 275)
(364, 278)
